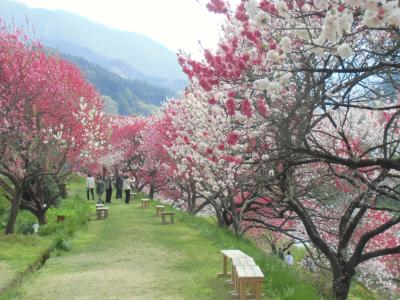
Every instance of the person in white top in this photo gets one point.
(289, 259)
(90, 185)
(126, 187)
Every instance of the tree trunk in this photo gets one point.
(341, 284)
(237, 228)
(220, 219)
(41, 217)
(12, 218)
(151, 192)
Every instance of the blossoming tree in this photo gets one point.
(50, 116)
(307, 76)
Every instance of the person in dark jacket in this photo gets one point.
(99, 188)
(108, 183)
(118, 185)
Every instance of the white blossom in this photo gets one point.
(261, 19)
(344, 50)
(286, 44)
(321, 4)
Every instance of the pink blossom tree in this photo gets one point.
(307, 78)
(124, 153)
(50, 116)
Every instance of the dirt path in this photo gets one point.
(131, 255)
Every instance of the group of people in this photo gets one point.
(307, 261)
(105, 184)
(288, 258)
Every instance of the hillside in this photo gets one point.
(126, 53)
(125, 96)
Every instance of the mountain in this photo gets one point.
(117, 66)
(128, 54)
(122, 96)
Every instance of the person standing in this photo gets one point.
(126, 187)
(99, 188)
(118, 186)
(90, 185)
(108, 183)
(281, 255)
(289, 259)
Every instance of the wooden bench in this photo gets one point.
(102, 213)
(239, 261)
(145, 203)
(249, 277)
(167, 213)
(229, 254)
(159, 210)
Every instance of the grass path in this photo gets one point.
(131, 255)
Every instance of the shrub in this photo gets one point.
(62, 244)
(25, 221)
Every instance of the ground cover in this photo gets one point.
(131, 255)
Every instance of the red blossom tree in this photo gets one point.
(50, 117)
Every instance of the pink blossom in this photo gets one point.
(232, 138)
(217, 6)
(230, 107)
(246, 108)
(212, 101)
(262, 109)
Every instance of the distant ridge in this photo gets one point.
(121, 95)
(128, 54)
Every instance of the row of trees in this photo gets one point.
(50, 123)
(291, 125)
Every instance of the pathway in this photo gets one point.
(131, 255)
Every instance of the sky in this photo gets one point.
(177, 24)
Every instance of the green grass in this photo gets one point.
(18, 251)
(131, 255)
(282, 282)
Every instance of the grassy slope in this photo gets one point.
(18, 251)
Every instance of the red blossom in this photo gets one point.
(232, 138)
(230, 107)
(261, 107)
(241, 13)
(246, 108)
(212, 101)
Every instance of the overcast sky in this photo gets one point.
(178, 24)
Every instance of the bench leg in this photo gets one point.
(163, 219)
(233, 278)
(242, 290)
(224, 267)
(257, 289)
(172, 219)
